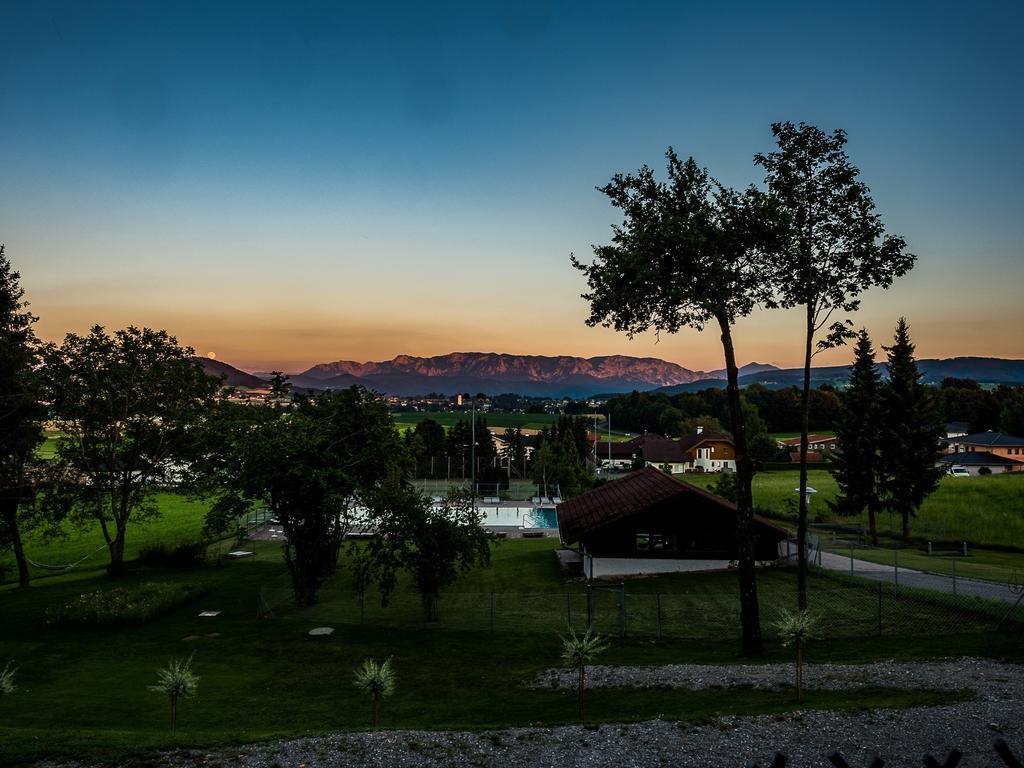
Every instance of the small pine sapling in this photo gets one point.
(796, 629)
(579, 651)
(378, 680)
(176, 681)
(7, 679)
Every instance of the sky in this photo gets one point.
(283, 184)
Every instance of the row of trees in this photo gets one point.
(891, 433)
(135, 412)
(679, 414)
(691, 252)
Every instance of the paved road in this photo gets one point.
(991, 590)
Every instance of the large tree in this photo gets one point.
(21, 415)
(127, 405)
(433, 543)
(837, 249)
(912, 431)
(314, 467)
(858, 432)
(690, 253)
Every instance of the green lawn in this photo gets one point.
(981, 510)
(82, 690)
(501, 420)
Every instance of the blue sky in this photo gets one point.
(287, 185)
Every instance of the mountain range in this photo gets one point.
(567, 376)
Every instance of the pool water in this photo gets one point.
(520, 517)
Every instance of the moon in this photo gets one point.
(212, 355)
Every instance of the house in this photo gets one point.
(614, 455)
(976, 461)
(702, 451)
(995, 443)
(651, 522)
(957, 429)
(817, 443)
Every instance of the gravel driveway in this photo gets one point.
(900, 736)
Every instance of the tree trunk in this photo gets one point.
(799, 672)
(430, 607)
(801, 518)
(583, 717)
(750, 618)
(11, 522)
(872, 525)
(905, 515)
(376, 711)
(174, 713)
(116, 548)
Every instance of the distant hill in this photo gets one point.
(566, 376)
(233, 377)
(494, 373)
(987, 370)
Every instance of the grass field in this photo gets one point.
(981, 510)
(82, 689)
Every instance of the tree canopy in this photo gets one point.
(21, 415)
(127, 405)
(688, 253)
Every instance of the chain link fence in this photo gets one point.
(845, 610)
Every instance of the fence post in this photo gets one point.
(879, 609)
(622, 610)
(965, 549)
(895, 566)
(954, 575)
(929, 547)
(851, 559)
(492, 610)
(657, 597)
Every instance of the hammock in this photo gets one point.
(47, 567)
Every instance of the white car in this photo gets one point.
(957, 471)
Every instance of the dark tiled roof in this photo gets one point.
(990, 438)
(977, 459)
(629, 496)
(662, 450)
(692, 440)
(619, 450)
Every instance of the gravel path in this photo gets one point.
(900, 736)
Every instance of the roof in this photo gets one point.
(662, 450)
(795, 441)
(620, 450)
(977, 459)
(990, 438)
(813, 457)
(628, 496)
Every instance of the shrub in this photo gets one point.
(796, 629)
(181, 556)
(176, 681)
(7, 679)
(579, 651)
(125, 606)
(378, 680)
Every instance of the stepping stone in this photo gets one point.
(191, 638)
(321, 631)
(238, 554)
(214, 634)
(210, 614)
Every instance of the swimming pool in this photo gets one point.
(520, 517)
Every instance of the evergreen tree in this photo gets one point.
(911, 433)
(516, 450)
(858, 432)
(20, 415)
